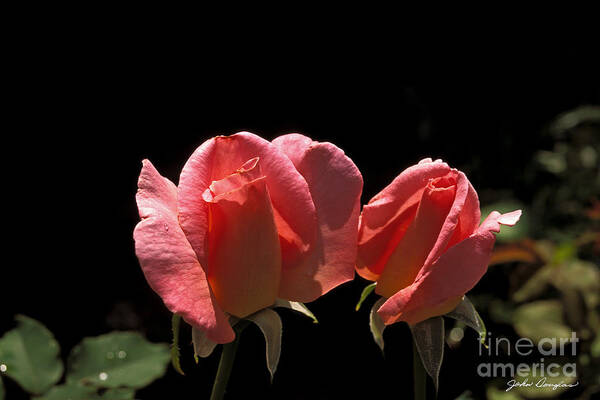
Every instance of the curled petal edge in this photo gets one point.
(168, 261)
(441, 282)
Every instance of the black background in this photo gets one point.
(81, 118)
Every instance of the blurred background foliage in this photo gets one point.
(548, 265)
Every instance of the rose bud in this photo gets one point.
(250, 222)
(420, 239)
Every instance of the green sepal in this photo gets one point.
(376, 323)
(296, 306)
(429, 337)
(365, 293)
(466, 313)
(175, 323)
(270, 325)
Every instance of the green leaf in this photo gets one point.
(365, 293)
(30, 355)
(541, 319)
(117, 359)
(118, 394)
(582, 276)
(376, 323)
(203, 346)
(175, 322)
(70, 392)
(296, 306)
(466, 313)
(77, 392)
(429, 338)
(536, 285)
(270, 324)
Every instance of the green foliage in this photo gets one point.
(376, 323)
(31, 356)
(175, 322)
(365, 293)
(571, 119)
(541, 319)
(77, 392)
(535, 286)
(296, 306)
(554, 279)
(574, 285)
(70, 392)
(118, 394)
(428, 337)
(203, 346)
(117, 359)
(570, 175)
(108, 367)
(595, 350)
(270, 325)
(466, 313)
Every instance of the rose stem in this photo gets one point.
(226, 363)
(420, 379)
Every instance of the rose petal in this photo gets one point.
(470, 215)
(219, 157)
(386, 217)
(244, 259)
(245, 174)
(451, 276)
(408, 257)
(462, 220)
(421, 314)
(510, 218)
(169, 262)
(335, 185)
(195, 178)
(293, 145)
(375, 251)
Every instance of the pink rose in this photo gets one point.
(421, 240)
(250, 221)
